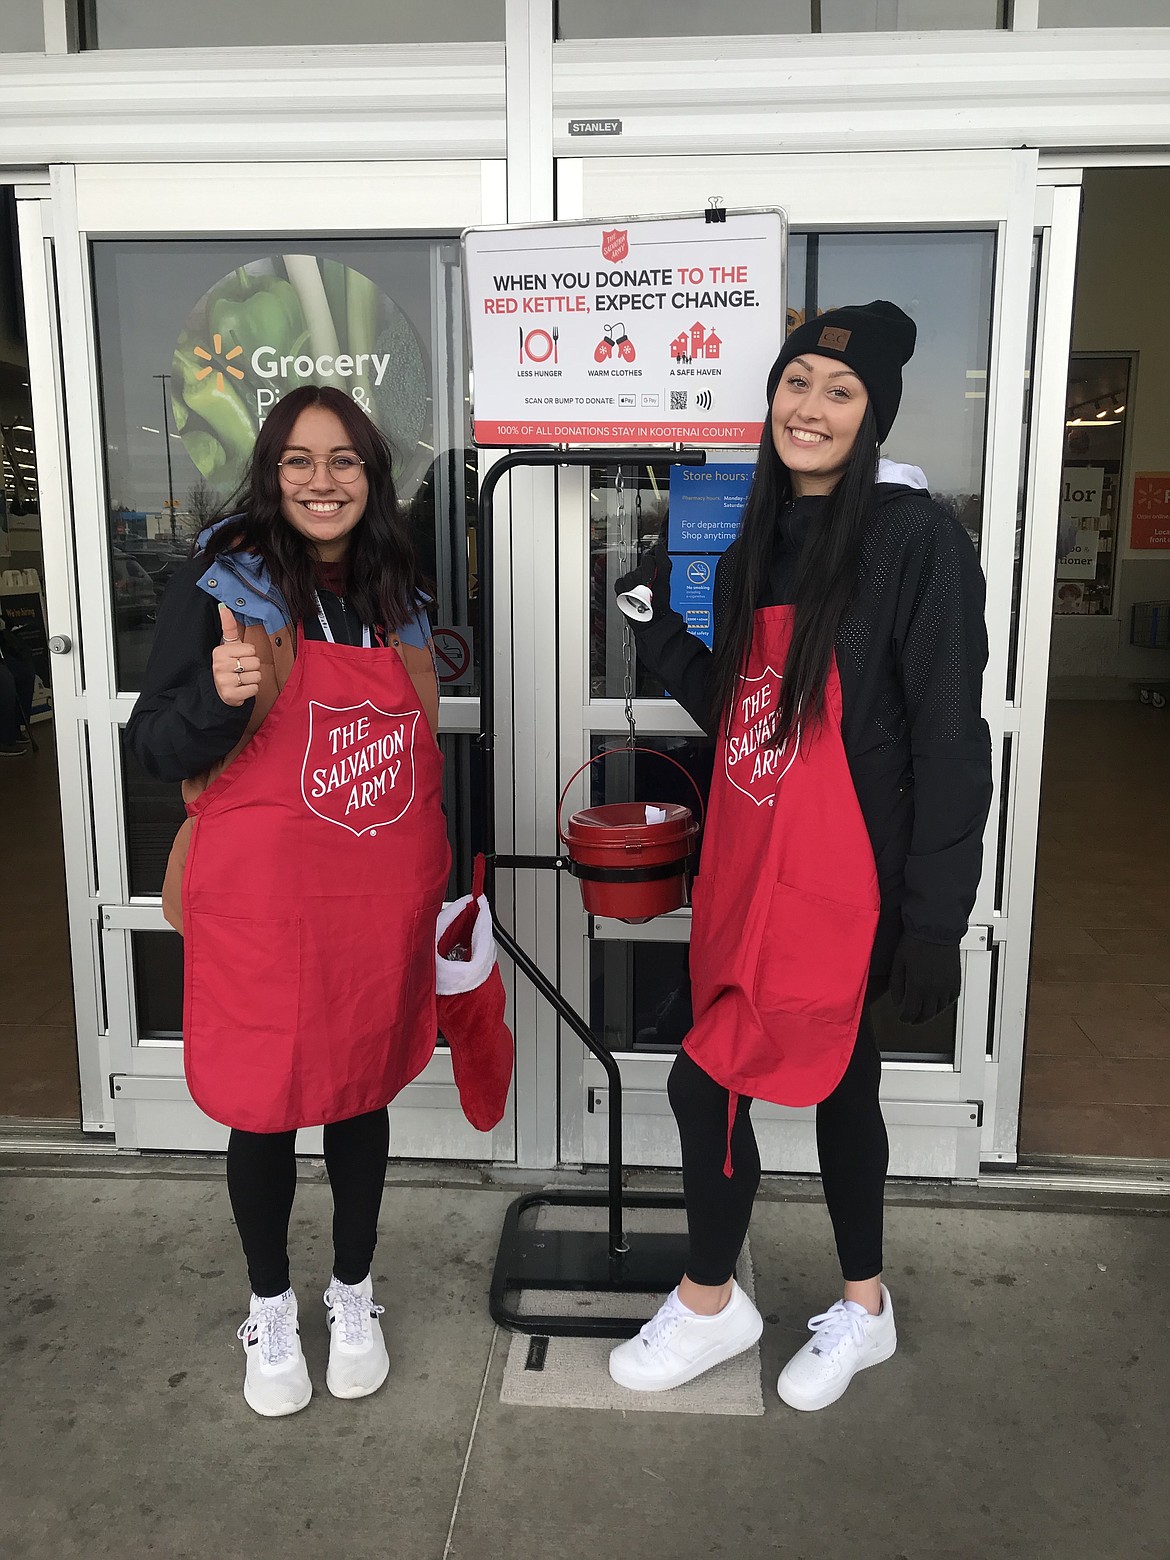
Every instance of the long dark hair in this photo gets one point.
(825, 580)
(384, 583)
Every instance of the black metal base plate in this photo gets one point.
(537, 1258)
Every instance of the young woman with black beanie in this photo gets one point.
(843, 842)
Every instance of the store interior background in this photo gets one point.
(38, 1040)
(1097, 1064)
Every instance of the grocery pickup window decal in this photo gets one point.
(285, 321)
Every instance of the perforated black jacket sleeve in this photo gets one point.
(683, 663)
(940, 646)
(180, 726)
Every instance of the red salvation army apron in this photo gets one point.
(786, 902)
(316, 873)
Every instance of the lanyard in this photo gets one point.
(328, 632)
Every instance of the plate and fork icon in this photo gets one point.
(539, 345)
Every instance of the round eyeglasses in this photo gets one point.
(299, 469)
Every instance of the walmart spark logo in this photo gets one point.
(217, 344)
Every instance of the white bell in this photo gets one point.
(637, 604)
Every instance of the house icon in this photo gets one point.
(695, 343)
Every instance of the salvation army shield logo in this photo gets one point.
(615, 244)
(753, 764)
(359, 765)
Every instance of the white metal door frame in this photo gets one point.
(44, 330)
(526, 542)
(1058, 211)
(145, 1094)
(1058, 205)
(936, 1113)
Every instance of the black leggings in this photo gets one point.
(851, 1144)
(262, 1181)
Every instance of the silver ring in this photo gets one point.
(240, 674)
(238, 668)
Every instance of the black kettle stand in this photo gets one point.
(530, 1257)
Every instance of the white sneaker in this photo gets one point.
(846, 1339)
(358, 1362)
(676, 1344)
(276, 1381)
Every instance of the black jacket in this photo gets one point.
(180, 726)
(911, 653)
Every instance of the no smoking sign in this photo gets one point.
(454, 656)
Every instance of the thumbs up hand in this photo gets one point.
(235, 665)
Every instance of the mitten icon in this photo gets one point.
(471, 1001)
(614, 339)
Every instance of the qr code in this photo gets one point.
(678, 400)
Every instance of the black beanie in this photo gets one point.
(875, 339)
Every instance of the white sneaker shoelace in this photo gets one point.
(275, 1332)
(843, 1322)
(356, 1312)
(663, 1324)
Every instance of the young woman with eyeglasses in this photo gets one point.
(292, 690)
(843, 841)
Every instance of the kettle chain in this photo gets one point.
(627, 559)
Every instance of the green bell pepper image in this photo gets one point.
(221, 409)
(207, 453)
(266, 314)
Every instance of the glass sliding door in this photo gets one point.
(942, 259)
(195, 336)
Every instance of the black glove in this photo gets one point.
(924, 979)
(653, 570)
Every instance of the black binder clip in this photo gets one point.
(716, 211)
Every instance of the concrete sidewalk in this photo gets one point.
(1024, 1415)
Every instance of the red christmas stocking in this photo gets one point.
(471, 1005)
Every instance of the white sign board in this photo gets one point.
(1080, 522)
(1079, 561)
(654, 330)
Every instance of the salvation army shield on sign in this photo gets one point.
(754, 764)
(359, 765)
(615, 244)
